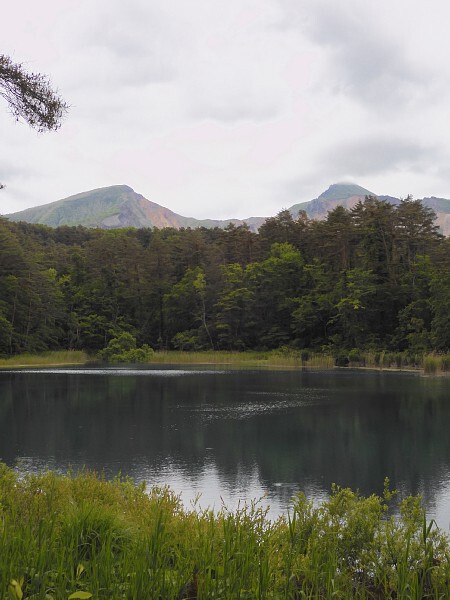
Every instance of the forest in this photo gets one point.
(376, 277)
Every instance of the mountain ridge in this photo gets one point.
(119, 206)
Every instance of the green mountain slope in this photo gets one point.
(91, 209)
(337, 191)
(113, 207)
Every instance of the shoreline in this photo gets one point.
(244, 364)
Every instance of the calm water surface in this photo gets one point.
(233, 435)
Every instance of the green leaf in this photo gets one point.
(80, 596)
(80, 570)
(15, 589)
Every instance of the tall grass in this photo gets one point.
(436, 363)
(289, 357)
(60, 357)
(251, 358)
(430, 364)
(82, 537)
(283, 357)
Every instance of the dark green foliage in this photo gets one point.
(373, 278)
(123, 349)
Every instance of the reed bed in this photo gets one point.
(430, 364)
(250, 358)
(289, 357)
(60, 357)
(84, 537)
(435, 363)
(284, 357)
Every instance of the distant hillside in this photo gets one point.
(348, 195)
(119, 206)
(113, 207)
(441, 207)
(338, 194)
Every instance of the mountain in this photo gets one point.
(338, 194)
(113, 207)
(349, 194)
(441, 207)
(120, 206)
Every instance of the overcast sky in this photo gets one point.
(231, 108)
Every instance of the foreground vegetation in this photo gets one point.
(82, 537)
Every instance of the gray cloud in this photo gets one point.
(11, 171)
(113, 46)
(230, 72)
(371, 156)
(233, 108)
(217, 69)
(8, 173)
(300, 189)
(186, 101)
(365, 62)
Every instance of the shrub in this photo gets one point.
(186, 340)
(355, 356)
(341, 359)
(123, 349)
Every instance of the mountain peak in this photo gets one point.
(105, 193)
(344, 194)
(340, 191)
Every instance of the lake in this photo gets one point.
(232, 435)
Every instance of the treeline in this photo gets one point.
(375, 277)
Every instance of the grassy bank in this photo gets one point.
(431, 364)
(250, 358)
(46, 359)
(287, 357)
(83, 537)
